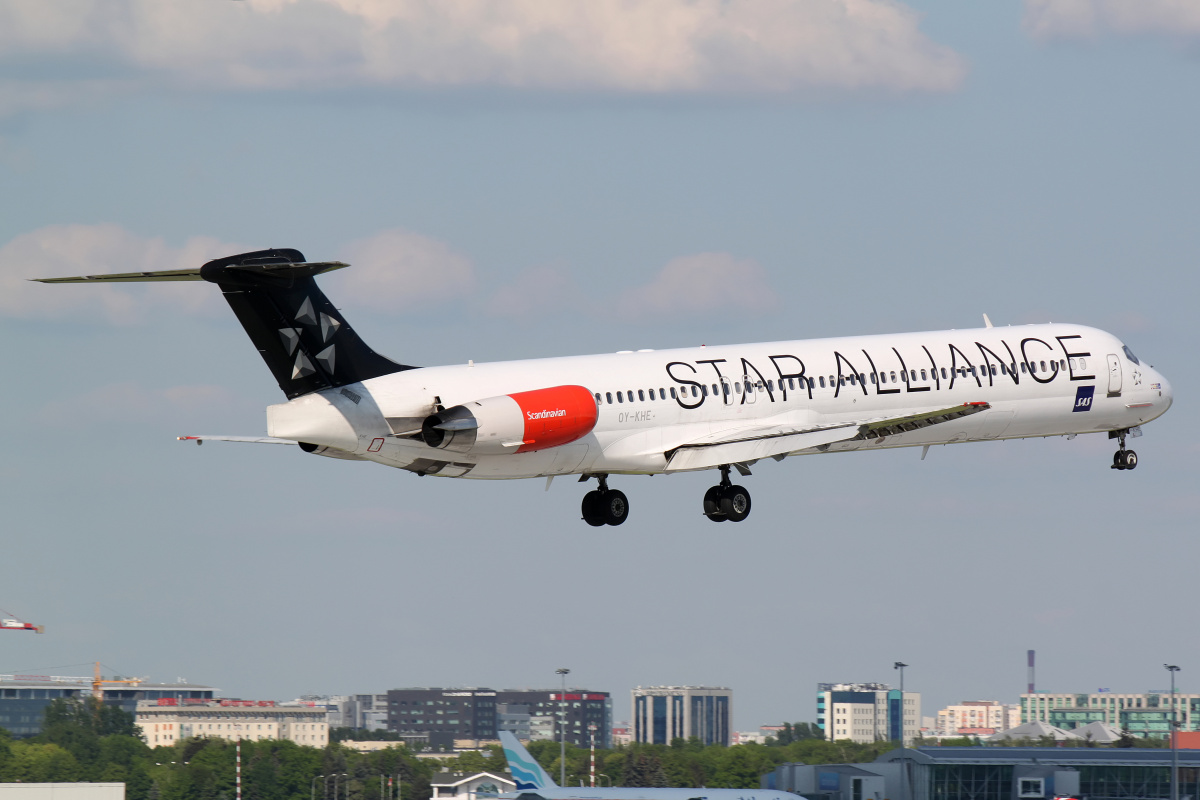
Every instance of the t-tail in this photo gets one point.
(305, 340)
(526, 773)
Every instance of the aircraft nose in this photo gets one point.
(1165, 389)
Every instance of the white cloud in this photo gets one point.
(1051, 19)
(537, 290)
(400, 269)
(394, 269)
(701, 283)
(604, 45)
(68, 250)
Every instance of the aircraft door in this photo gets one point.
(1114, 375)
(748, 390)
(727, 391)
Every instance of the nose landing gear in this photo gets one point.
(1124, 459)
(726, 501)
(604, 506)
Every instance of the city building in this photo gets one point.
(995, 773)
(662, 714)
(441, 716)
(976, 718)
(165, 722)
(867, 712)
(23, 698)
(1147, 714)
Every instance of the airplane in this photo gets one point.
(659, 412)
(534, 784)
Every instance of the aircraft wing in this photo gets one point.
(750, 443)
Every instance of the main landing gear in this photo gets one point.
(1124, 459)
(726, 501)
(604, 506)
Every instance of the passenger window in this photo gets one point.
(629, 394)
(608, 396)
(1044, 367)
(1064, 365)
(1083, 364)
(715, 392)
(822, 381)
(862, 378)
(662, 393)
(810, 383)
(1023, 367)
(893, 377)
(792, 383)
(737, 387)
(841, 380)
(673, 393)
(620, 397)
(872, 377)
(598, 398)
(704, 390)
(695, 392)
(641, 396)
(993, 370)
(945, 374)
(923, 376)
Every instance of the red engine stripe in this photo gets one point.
(556, 415)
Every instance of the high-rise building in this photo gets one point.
(662, 714)
(977, 718)
(444, 715)
(1144, 714)
(868, 712)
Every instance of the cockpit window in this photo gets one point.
(1129, 354)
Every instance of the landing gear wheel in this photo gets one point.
(735, 503)
(1119, 460)
(614, 507)
(593, 511)
(1130, 459)
(712, 504)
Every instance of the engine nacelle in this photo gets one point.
(514, 423)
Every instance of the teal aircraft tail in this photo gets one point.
(527, 773)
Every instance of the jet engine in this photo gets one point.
(514, 423)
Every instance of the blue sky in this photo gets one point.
(511, 181)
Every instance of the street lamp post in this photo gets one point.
(1174, 735)
(563, 672)
(313, 787)
(900, 665)
(335, 782)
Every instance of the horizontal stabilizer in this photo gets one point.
(251, 439)
(307, 269)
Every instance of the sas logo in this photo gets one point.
(1083, 398)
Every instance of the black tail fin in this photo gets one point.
(305, 341)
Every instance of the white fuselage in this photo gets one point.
(1039, 380)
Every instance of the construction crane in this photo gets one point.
(99, 683)
(11, 623)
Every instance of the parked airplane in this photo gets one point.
(653, 412)
(534, 784)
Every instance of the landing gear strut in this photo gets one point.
(725, 501)
(604, 506)
(1124, 459)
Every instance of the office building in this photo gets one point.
(23, 698)
(867, 712)
(995, 773)
(164, 722)
(662, 714)
(442, 716)
(1145, 715)
(976, 718)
